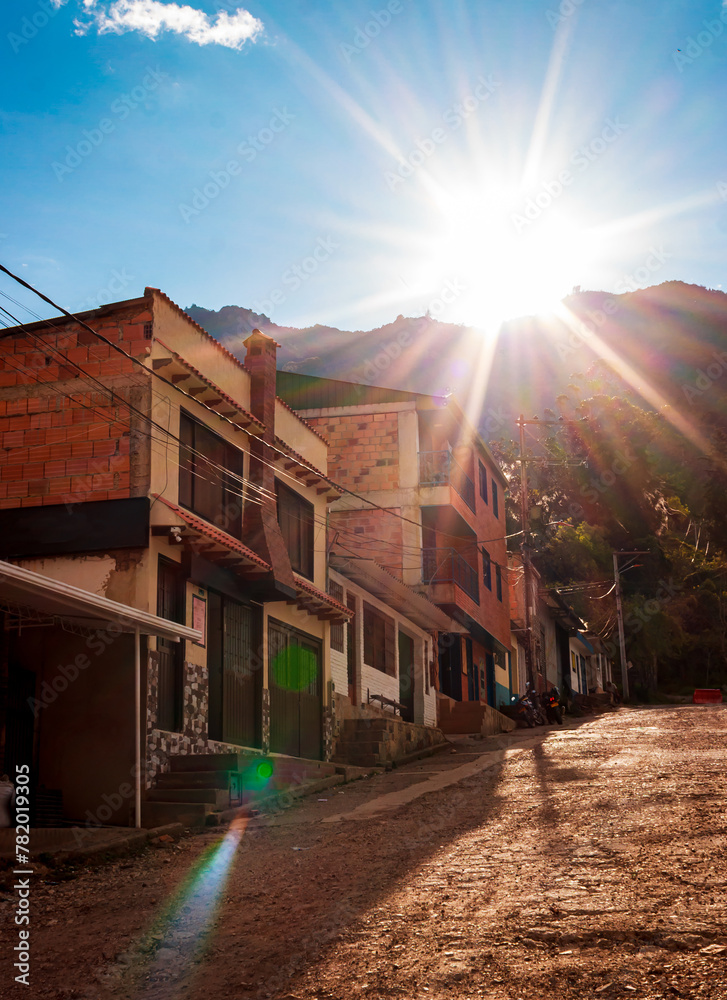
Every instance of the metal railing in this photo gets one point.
(440, 468)
(448, 566)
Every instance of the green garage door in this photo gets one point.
(295, 682)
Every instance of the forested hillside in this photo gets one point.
(639, 461)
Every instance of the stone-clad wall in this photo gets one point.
(161, 745)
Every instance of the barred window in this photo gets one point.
(335, 590)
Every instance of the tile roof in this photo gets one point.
(304, 585)
(250, 420)
(294, 456)
(215, 534)
(322, 605)
(195, 324)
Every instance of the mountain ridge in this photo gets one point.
(657, 339)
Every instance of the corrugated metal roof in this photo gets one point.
(310, 392)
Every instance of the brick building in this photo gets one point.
(429, 509)
(137, 455)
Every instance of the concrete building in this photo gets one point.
(138, 454)
(426, 504)
(564, 653)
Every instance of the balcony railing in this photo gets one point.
(448, 566)
(439, 468)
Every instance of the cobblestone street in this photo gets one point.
(581, 862)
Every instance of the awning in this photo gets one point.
(31, 595)
(204, 539)
(374, 578)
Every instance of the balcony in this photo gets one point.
(440, 468)
(448, 566)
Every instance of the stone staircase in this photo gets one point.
(471, 717)
(206, 789)
(379, 742)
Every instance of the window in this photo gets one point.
(495, 500)
(336, 592)
(295, 517)
(379, 640)
(483, 482)
(170, 604)
(498, 581)
(208, 483)
(486, 569)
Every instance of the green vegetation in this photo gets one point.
(617, 475)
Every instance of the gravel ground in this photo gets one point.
(582, 862)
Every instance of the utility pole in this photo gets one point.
(620, 616)
(621, 636)
(525, 521)
(525, 553)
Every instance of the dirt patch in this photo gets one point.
(589, 864)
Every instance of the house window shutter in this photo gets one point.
(389, 647)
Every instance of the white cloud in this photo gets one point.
(152, 18)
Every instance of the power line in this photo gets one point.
(154, 374)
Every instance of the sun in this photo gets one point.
(489, 258)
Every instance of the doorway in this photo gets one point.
(234, 675)
(296, 692)
(406, 676)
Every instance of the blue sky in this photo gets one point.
(345, 162)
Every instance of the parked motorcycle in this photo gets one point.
(534, 703)
(521, 711)
(550, 701)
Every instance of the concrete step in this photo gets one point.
(359, 746)
(364, 760)
(284, 767)
(296, 769)
(219, 798)
(189, 813)
(212, 761)
(369, 725)
(195, 779)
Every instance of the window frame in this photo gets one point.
(483, 482)
(191, 475)
(300, 544)
(495, 500)
(486, 569)
(379, 640)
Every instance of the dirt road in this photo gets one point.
(584, 862)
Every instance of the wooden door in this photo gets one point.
(406, 676)
(296, 691)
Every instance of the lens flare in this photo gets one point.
(295, 668)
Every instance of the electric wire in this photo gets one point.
(151, 372)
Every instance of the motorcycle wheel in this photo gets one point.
(558, 716)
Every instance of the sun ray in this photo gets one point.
(547, 101)
(639, 382)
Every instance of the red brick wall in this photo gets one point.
(370, 534)
(364, 450)
(63, 439)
